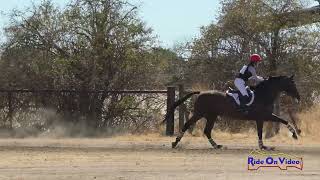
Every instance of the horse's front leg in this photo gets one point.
(275, 118)
(293, 118)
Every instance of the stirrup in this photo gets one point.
(243, 108)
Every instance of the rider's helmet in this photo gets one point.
(255, 58)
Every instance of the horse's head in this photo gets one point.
(287, 85)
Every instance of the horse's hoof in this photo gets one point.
(174, 144)
(294, 135)
(299, 132)
(218, 147)
(267, 148)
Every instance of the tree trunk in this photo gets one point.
(272, 128)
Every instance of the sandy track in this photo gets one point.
(123, 158)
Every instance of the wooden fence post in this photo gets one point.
(170, 101)
(182, 108)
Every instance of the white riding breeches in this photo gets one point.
(241, 86)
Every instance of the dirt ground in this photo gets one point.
(148, 157)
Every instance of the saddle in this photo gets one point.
(235, 94)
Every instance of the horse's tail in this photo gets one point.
(176, 104)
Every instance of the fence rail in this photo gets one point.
(85, 91)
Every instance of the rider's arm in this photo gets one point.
(254, 76)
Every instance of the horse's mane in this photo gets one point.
(268, 81)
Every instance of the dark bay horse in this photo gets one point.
(212, 104)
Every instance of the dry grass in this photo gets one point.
(200, 87)
(310, 121)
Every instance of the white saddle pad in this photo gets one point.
(235, 96)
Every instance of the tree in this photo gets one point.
(90, 45)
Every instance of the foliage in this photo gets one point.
(89, 45)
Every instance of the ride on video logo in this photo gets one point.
(261, 159)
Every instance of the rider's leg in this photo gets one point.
(240, 84)
(244, 99)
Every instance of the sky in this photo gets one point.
(173, 21)
(178, 20)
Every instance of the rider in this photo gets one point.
(247, 72)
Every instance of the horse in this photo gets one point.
(211, 104)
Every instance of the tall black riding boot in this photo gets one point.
(243, 101)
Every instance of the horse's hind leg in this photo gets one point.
(259, 130)
(208, 129)
(186, 126)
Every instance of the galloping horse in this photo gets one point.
(212, 104)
